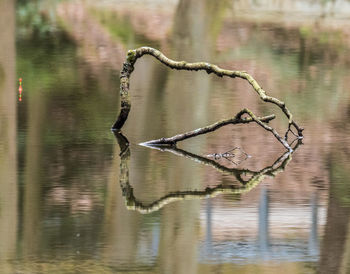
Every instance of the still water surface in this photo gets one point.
(75, 200)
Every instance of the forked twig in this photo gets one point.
(238, 119)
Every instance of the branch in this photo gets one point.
(180, 137)
(171, 141)
(134, 55)
(265, 126)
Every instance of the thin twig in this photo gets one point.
(183, 136)
(265, 126)
(171, 141)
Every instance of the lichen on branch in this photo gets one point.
(134, 55)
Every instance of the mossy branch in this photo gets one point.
(134, 55)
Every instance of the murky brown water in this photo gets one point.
(70, 203)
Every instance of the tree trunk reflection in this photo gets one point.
(8, 137)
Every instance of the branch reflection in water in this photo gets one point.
(256, 177)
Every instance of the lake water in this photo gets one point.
(75, 199)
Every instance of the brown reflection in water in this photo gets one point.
(193, 38)
(121, 229)
(8, 137)
(32, 181)
(335, 251)
(187, 45)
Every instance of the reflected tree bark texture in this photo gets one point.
(192, 37)
(192, 40)
(335, 248)
(313, 245)
(8, 136)
(32, 183)
(118, 221)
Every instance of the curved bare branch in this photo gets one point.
(134, 55)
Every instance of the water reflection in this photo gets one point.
(264, 223)
(61, 208)
(335, 244)
(256, 177)
(264, 248)
(8, 136)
